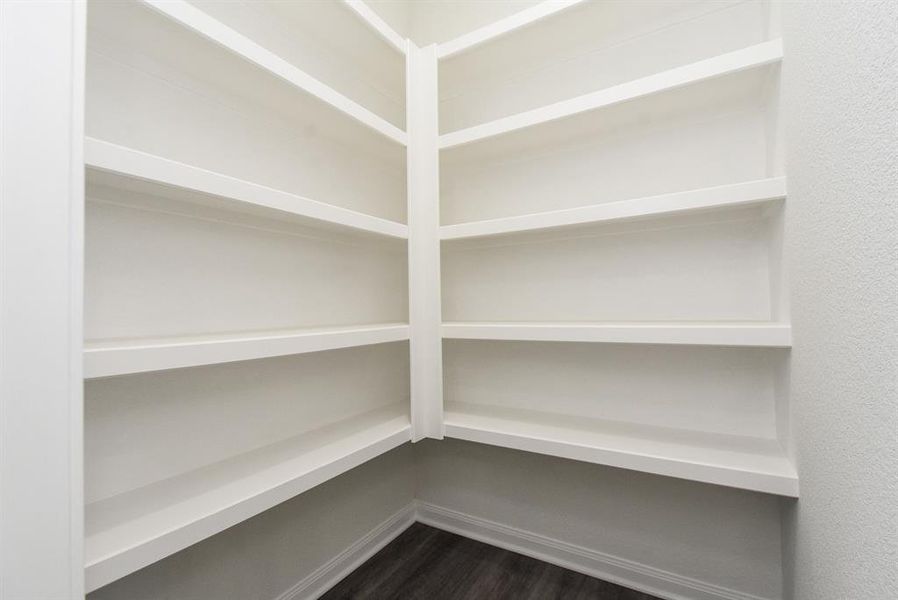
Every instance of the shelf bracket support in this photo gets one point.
(425, 343)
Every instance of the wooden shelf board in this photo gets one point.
(202, 24)
(127, 168)
(764, 334)
(502, 27)
(718, 197)
(132, 530)
(119, 357)
(747, 463)
(752, 57)
(373, 20)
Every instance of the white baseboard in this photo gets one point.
(329, 574)
(610, 568)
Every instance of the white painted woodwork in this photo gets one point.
(737, 194)
(376, 23)
(133, 530)
(705, 267)
(41, 243)
(712, 133)
(591, 266)
(246, 270)
(332, 42)
(772, 335)
(157, 268)
(726, 64)
(705, 413)
(198, 17)
(138, 171)
(222, 113)
(120, 357)
(166, 466)
(726, 391)
(424, 245)
(504, 26)
(147, 427)
(612, 285)
(757, 465)
(589, 47)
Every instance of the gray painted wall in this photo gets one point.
(840, 86)
(717, 535)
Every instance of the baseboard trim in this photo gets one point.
(610, 568)
(621, 571)
(332, 572)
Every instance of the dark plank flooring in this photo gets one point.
(428, 563)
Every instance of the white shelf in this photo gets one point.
(724, 196)
(732, 62)
(373, 20)
(772, 335)
(179, 181)
(208, 27)
(132, 530)
(502, 27)
(741, 462)
(120, 357)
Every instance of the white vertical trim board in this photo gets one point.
(42, 46)
(425, 343)
(597, 564)
(333, 571)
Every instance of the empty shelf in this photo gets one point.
(723, 196)
(132, 530)
(119, 357)
(748, 463)
(120, 167)
(732, 62)
(208, 27)
(774, 335)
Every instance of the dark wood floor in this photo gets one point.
(431, 564)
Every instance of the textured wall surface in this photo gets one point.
(841, 115)
(264, 556)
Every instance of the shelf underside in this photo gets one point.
(134, 529)
(734, 461)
